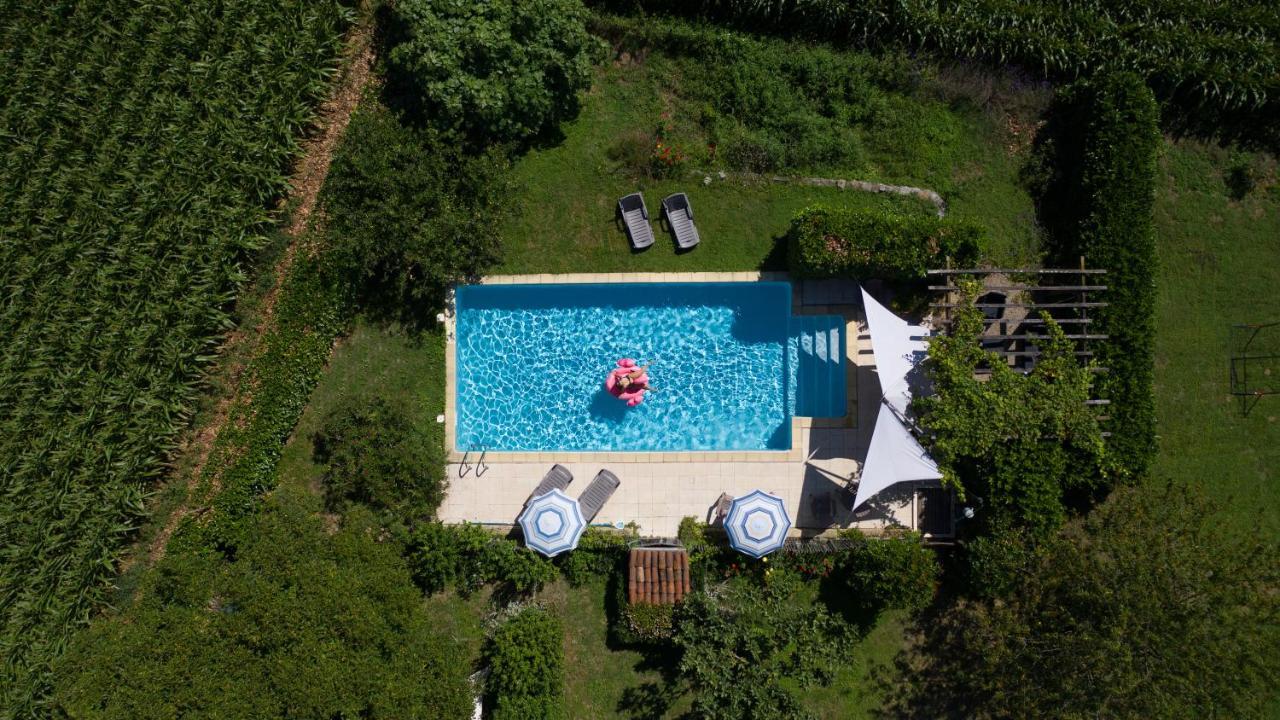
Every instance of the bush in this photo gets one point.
(745, 650)
(831, 242)
(892, 572)
(493, 72)
(373, 455)
(649, 622)
(302, 624)
(526, 662)
(600, 552)
(470, 557)
(410, 213)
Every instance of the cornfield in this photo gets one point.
(141, 144)
(1220, 53)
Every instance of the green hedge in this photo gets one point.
(1117, 233)
(1106, 165)
(469, 556)
(832, 242)
(526, 662)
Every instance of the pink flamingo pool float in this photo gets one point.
(633, 393)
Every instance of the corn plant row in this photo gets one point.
(1222, 54)
(140, 144)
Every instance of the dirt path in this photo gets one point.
(242, 344)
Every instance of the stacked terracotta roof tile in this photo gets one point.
(658, 576)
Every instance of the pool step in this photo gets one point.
(820, 386)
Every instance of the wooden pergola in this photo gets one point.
(1011, 309)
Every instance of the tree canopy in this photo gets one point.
(299, 625)
(1145, 610)
(497, 71)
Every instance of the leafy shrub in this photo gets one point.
(526, 662)
(1240, 178)
(494, 72)
(832, 242)
(600, 552)
(994, 562)
(1145, 610)
(470, 557)
(1016, 442)
(410, 213)
(374, 455)
(650, 622)
(891, 572)
(743, 649)
(301, 624)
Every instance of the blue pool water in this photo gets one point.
(531, 363)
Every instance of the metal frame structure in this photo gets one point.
(1067, 295)
(1241, 357)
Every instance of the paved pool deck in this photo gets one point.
(658, 489)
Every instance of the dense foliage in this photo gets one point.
(139, 146)
(497, 71)
(649, 622)
(1013, 442)
(1147, 610)
(894, 572)
(470, 556)
(302, 624)
(374, 455)
(835, 242)
(744, 644)
(751, 103)
(410, 212)
(312, 308)
(1102, 200)
(600, 552)
(526, 663)
(1208, 57)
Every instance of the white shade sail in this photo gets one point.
(894, 457)
(899, 348)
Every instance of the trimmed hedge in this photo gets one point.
(1117, 232)
(526, 661)
(833, 242)
(1106, 160)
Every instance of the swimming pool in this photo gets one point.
(531, 362)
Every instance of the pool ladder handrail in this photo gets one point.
(465, 467)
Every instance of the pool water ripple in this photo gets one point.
(531, 363)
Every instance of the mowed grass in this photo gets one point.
(1219, 265)
(568, 190)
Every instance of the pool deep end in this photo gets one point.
(531, 362)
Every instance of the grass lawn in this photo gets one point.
(567, 191)
(1219, 265)
(371, 362)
